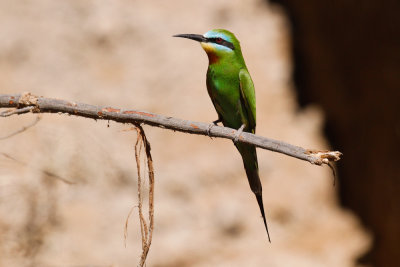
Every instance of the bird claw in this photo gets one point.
(209, 128)
(214, 123)
(238, 133)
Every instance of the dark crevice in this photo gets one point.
(347, 60)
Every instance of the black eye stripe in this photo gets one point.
(221, 41)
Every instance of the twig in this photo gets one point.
(151, 187)
(48, 105)
(333, 172)
(23, 110)
(146, 231)
(126, 224)
(143, 225)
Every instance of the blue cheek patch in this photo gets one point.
(222, 48)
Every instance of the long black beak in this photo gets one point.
(196, 37)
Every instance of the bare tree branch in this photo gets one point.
(49, 105)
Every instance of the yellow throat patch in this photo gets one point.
(209, 48)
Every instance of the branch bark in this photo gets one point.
(26, 102)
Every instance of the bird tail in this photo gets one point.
(250, 163)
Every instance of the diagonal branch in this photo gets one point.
(49, 105)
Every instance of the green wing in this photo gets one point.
(248, 98)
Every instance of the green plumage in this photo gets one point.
(231, 90)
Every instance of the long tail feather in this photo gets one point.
(251, 166)
(261, 205)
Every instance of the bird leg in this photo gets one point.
(214, 123)
(238, 133)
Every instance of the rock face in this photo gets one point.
(347, 59)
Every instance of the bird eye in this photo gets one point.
(218, 40)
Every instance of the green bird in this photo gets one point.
(231, 90)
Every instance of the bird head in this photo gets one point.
(218, 44)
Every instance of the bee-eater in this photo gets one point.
(231, 90)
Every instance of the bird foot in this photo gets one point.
(238, 133)
(214, 123)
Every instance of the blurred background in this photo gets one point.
(327, 76)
